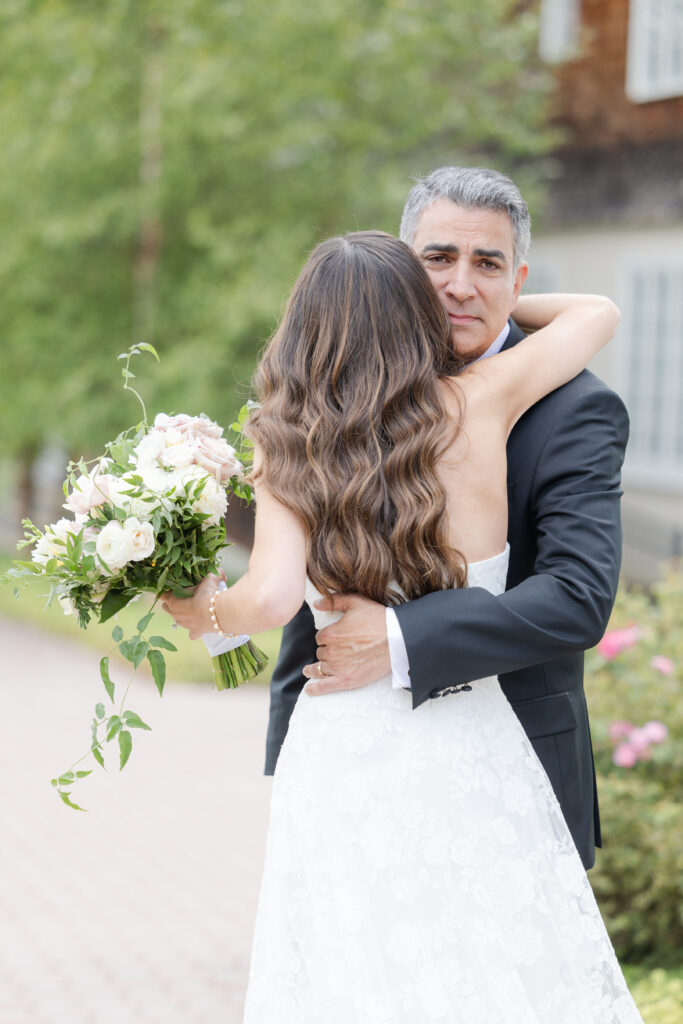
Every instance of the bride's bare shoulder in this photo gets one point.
(468, 391)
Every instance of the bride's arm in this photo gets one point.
(576, 328)
(271, 591)
(532, 312)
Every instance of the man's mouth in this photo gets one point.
(462, 318)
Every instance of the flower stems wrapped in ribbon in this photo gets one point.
(234, 658)
(148, 517)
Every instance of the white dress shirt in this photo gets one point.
(398, 655)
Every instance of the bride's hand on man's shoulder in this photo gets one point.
(352, 652)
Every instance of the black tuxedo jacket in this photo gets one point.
(564, 464)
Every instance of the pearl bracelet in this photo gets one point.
(214, 620)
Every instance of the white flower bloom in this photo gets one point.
(53, 542)
(212, 502)
(142, 538)
(88, 492)
(67, 604)
(114, 546)
(44, 550)
(177, 454)
(150, 448)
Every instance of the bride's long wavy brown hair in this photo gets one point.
(351, 422)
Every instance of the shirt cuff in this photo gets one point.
(398, 655)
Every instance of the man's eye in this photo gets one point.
(436, 259)
(488, 265)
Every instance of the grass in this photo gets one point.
(191, 663)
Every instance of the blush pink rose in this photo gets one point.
(193, 426)
(656, 732)
(217, 456)
(625, 756)
(617, 640)
(640, 742)
(663, 665)
(618, 730)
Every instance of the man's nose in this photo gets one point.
(460, 284)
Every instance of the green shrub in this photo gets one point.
(638, 879)
(659, 996)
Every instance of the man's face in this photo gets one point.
(469, 255)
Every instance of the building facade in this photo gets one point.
(613, 224)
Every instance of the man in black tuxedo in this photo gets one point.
(564, 462)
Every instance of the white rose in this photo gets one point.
(177, 454)
(53, 542)
(150, 448)
(141, 536)
(114, 546)
(212, 502)
(88, 492)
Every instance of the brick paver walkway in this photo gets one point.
(142, 910)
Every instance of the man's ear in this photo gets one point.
(520, 278)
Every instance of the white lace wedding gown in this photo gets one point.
(419, 870)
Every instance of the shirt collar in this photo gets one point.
(495, 347)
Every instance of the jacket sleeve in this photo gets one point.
(298, 649)
(457, 636)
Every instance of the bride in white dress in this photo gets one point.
(418, 868)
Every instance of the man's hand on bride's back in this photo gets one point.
(352, 652)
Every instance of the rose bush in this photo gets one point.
(634, 697)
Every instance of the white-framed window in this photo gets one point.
(558, 34)
(655, 50)
(651, 372)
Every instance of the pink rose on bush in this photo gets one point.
(663, 665)
(615, 641)
(618, 730)
(656, 732)
(625, 756)
(636, 745)
(639, 741)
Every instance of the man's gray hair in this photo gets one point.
(473, 188)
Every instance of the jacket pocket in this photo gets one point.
(546, 716)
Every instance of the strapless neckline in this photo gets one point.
(494, 558)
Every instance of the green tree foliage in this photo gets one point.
(167, 167)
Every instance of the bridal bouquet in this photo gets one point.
(147, 516)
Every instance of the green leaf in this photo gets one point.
(69, 803)
(125, 746)
(106, 679)
(114, 601)
(161, 641)
(96, 753)
(145, 347)
(158, 666)
(66, 778)
(115, 725)
(99, 710)
(117, 634)
(134, 650)
(82, 775)
(31, 566)
(133, 721)
(145, 621)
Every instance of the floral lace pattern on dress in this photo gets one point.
(418, 869)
